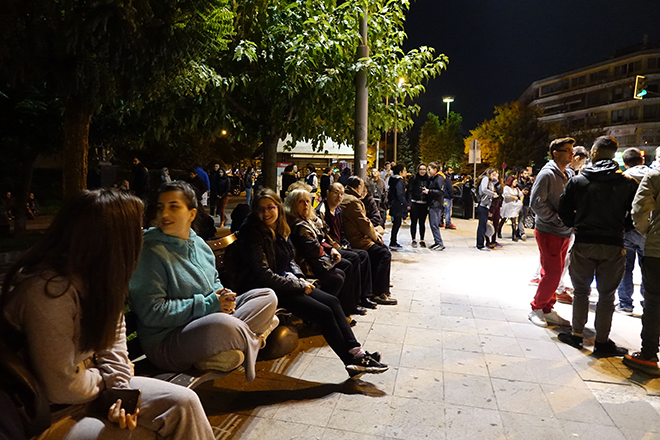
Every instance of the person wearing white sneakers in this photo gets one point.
(552, 235)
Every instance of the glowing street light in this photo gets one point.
(224, 132)
(448, 100)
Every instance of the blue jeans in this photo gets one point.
(248, 196)
(482, 215)
(448, 204)
(435, 217)
(633, 242)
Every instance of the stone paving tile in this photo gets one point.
(466, 390)
(420, 384)
(526, 427)
(468, 423)
(369, 419)
(461, 341)
(424, 358)
(591, 431)
(464, 362)
(256, 428)
(521, 397)
(416, 419)
(336, 434)
(510, 367)
(493, 327)
(500, 345)
(576, 404)
(422, 337)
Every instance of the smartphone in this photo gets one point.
(130, 400)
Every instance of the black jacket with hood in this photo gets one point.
(597, 203)
(436, 196)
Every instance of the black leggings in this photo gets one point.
(418, 212)
(323, 309)
(396, 225)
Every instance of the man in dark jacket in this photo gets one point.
(398, 203)
(449, 196)
(419, 209)
(597, 203)
(435, 197)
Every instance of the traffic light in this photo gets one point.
(640, 87)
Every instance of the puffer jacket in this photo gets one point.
(312, 247)
(436, 196)
(597, 203)
(415, 187)
(257, 262)
(397, 197)
(646, 212)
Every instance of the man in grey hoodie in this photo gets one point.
(633, 241)
(552, 235)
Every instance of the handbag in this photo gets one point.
(18, 382)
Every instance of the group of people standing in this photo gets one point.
(606, 217)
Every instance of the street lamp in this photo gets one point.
(448, 100)
(399, 84)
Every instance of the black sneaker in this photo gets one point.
(638, 362)
(414, 243)
(375, 356)
(422, 244)
(437, 247)
(571, 339)
(364, 364)
(608, 349)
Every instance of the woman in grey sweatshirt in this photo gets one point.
(66, 298)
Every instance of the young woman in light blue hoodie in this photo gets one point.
(185, 316)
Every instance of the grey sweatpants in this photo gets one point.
(211, 334)
(607, 264)
(167, 411)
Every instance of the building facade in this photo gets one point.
(599, 98)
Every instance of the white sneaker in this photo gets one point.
(537, 317)
(553, 318)
(224, 361)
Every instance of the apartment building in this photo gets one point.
(599, 97)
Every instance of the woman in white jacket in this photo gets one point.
(512, 204)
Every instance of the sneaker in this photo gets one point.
(375, 356)
(414, 243)
(438, 247)
(483, 249)
(564, 298)
(624, 309)
(224, 361)
(638, 362)
(608, 349)
(523, 237)
(442, 225)
(570, 339)
(534, 281)
(364, 364)
(553, 318)
(450, 226)
(395, 246)
(538, 318)
(385, 300)
(422, 244)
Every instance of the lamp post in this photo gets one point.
(448, 100)
(399, 84)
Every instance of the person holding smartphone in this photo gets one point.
(64, 299)
(185, 315)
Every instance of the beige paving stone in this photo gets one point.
(526, 427)
(256, 428)
(461, 341)
(510, 367)
(469, 423)
(336, 434)
(476, 391)
(521, 397)
(576, 404)
(458, 324)
(557, 372)
(422, 337)
(493, 327)
(450, 309)
(500, 345)
(591, 431)
(464, 362)
(308, 412)
(421, 384)
(427, 319)
(360, 416)
(538, 349)
(416, 419)
(392, 317)
(425, 358)
(325, 370)
(387, 333)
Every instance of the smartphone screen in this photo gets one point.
(130, 400)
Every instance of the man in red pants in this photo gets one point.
(552, 236)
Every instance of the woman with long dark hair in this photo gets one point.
(266, 259)
(486, 193)
(185, 316)
(66, 297)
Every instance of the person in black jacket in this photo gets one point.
(597, 203)
(449, 196)
(435, 197)
(140, 183)
(525, 184)
(325, 182)
(398, 202)
(419, 209)
(265, 259)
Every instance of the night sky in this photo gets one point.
(497, 48)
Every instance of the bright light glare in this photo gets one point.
(447, 99)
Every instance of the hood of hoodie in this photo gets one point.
(602, 170)
(155, 235)
(637, 172)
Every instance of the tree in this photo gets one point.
(91, 53)
(406, 152)
(514, 137)
(429, 139)
(291, 69)
(442, 141)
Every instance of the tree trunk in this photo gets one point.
(22, 195)
(77, 116)
(269, 164)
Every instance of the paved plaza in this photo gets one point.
(465, 363)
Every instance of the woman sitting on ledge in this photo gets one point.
(185, 316)
(266, 259)
(65, 298)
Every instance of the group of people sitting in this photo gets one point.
(64, 300)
